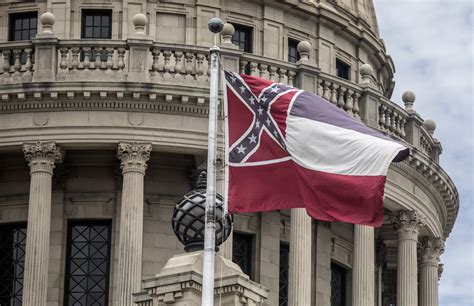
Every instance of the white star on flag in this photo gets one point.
(263, 99)
(260, 110)
(275, 89)
(252, 138)
(268, 121)
(252, 100)
(242, 89)
(241, 149)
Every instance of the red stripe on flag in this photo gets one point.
(326, 196)
(255, 84)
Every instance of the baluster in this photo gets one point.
(340, 98)
(6, 60)
(326, 90)
(242, 65)
(28, 65)
(199, 69)
(394, 121)
(110, 56)
(291, 78)
(178, 55)
(356, 109)
(75, 58)
(402, 127)
(207, 67)
(388, 114)
(121, 62)
(156, 56)
(63, 62)
(262, 70)
(271, 73)
(333, 88)
(167, 66)
(282, 76)
(349, 101)
(189, 65)
(253, 68)
(382, 116)
(87, 51)
(17, 65)
(98, 54)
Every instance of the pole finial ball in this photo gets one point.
(408, 96)
(430, 125)
(215, 25)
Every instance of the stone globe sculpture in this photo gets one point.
(189, 218)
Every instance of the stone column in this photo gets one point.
(299, 291)
(41, 158)
(431, 249)
(133, 157)
(407, 224)
(363, 293)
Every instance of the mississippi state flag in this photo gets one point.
(289, 148)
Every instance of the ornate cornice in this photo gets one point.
(430, 251)
(133, 156)
(408, 224)
(41, 156)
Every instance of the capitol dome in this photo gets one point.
(103, 129)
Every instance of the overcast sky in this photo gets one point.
(431, 43)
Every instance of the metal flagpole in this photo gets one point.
(215, 26)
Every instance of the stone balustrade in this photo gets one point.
(273, 70)
(392, 119)
(175, 63)
(341, 93)
(16, 65)
(88, 59)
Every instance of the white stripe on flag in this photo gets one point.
(328, 148)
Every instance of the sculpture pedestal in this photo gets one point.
(180, 283)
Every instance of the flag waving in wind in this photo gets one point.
(289, 148)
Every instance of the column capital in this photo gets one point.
(408, 224)
(430, 250)
(41, 156)
(133, 156)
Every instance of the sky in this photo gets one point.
(431, 43)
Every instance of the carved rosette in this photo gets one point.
(133, 156)
(430, 251)
(41, 156)
(408, 224)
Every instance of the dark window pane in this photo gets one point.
(105, 21)
(88, 32)
(18, 24)
(242, 252)
(105, 32)
(17, 35)
(25, 34)
(342, 69)
(32, 34)
(284, 268)
(88, 263)
(96, 32)
(97, 20)
(89, 21)
(26, 23)
(12, 263)
(338, 285)
(293, 55)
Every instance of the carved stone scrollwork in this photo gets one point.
(133, 156)
(430, 251)
(408, 224)
(42, 156)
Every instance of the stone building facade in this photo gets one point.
(103, 125)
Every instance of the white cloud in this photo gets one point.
(431, 43)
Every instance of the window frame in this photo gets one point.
(70, 224)
(283, 296)
(96, 12)
(251, 241)
(16, 297)
(248, 40)
(343, 289)
(293, 43)
(345, 66)
(13, 16)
